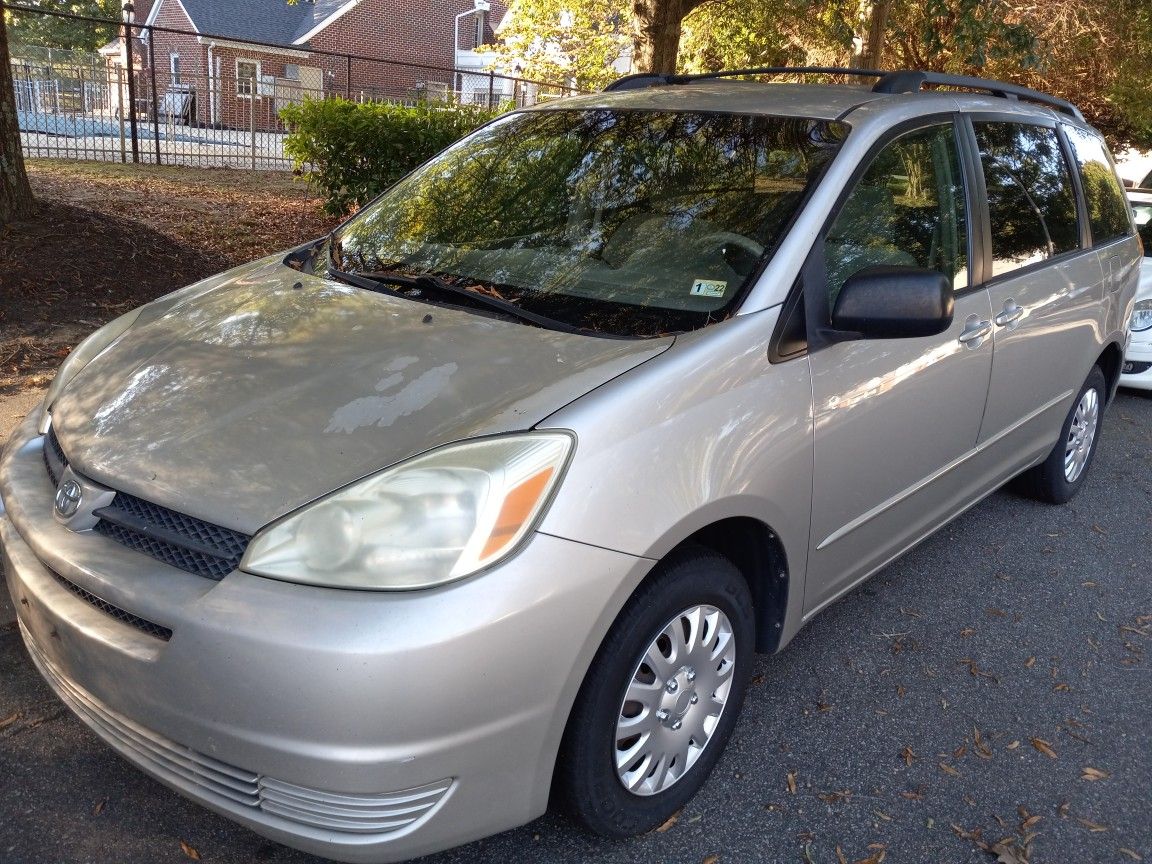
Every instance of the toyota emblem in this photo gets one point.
(68, 498)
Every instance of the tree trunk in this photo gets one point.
(872, 26)
(16, 200)
(656, 33)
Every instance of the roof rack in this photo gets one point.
(901, 81)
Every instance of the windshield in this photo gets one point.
(1142, 211)
(630, 223)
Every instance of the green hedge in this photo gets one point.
(351, 151)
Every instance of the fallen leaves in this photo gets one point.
(1094, 827)
(1129, 853)
(1093, 774)
(908, 754)
(9, 720)
(669, 822)
(835, 797)
(711, 859)
(948, 769)
(975, 671)
(1043, 746)
(979, 745)
(792, 782)
(189, 850)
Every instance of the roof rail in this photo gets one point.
(646, 79)
(902, 81)
(914, 81)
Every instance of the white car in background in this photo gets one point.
(1137, 369)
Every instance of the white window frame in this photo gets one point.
(174, 67)
(255, 80)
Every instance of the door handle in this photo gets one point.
(1010, 315)
(974, 333)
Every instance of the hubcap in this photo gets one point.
(1081, 435)
(674, 700)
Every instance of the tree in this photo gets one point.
(573, 42)
(50, 31)
(16, 200)
(656, 29)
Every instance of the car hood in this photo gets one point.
(241, 403)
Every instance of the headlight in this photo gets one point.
(86, 352)
(433, 519)
(1141, 316)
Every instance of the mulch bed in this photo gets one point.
(108, 238)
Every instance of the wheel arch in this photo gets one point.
(758, 553)
(1111, 361)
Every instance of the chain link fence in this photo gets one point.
(212, 101)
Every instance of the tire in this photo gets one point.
(1058, 478)
(702, 597)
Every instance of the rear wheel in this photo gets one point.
(661, 697)
(1059, 477)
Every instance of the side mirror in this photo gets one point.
(886, 302)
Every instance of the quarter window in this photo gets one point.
(1103, 195)
(907, 210)
(1031, 206)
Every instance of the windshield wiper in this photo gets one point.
(361, 282)
(427, 282)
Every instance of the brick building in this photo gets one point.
(211, 74)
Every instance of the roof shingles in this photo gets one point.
(272, 21)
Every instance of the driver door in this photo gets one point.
(895, 419)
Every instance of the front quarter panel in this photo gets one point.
(707, 431)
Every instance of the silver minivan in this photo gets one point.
(489, 497)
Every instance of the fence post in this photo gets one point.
(155, 95)
(127, 30)
(120, 112)
(348, 80)
(491, 87)
(252, 119)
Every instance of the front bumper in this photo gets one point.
(362, 726)
(1139, 355)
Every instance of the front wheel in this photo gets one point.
(1059, 477)
(661, 697)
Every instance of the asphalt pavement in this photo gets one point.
(990, 687)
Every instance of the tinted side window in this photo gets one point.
(907, 210)
(1031, 205)
(1103, 194)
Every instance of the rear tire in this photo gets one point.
(1058, 478)
(661, 698)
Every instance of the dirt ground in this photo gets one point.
(110, 237)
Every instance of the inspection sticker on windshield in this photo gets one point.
(708, 288)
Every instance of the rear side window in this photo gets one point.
(1103, 195)
(1031, 205)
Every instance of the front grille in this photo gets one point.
(122, 615)
(243, 792)
(183, 541)
(54, 459)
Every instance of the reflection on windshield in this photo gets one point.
(627, 222)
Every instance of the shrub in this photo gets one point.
(351, 151)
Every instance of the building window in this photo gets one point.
(174, 67)
(247, 76)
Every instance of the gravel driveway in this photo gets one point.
(991, 684)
